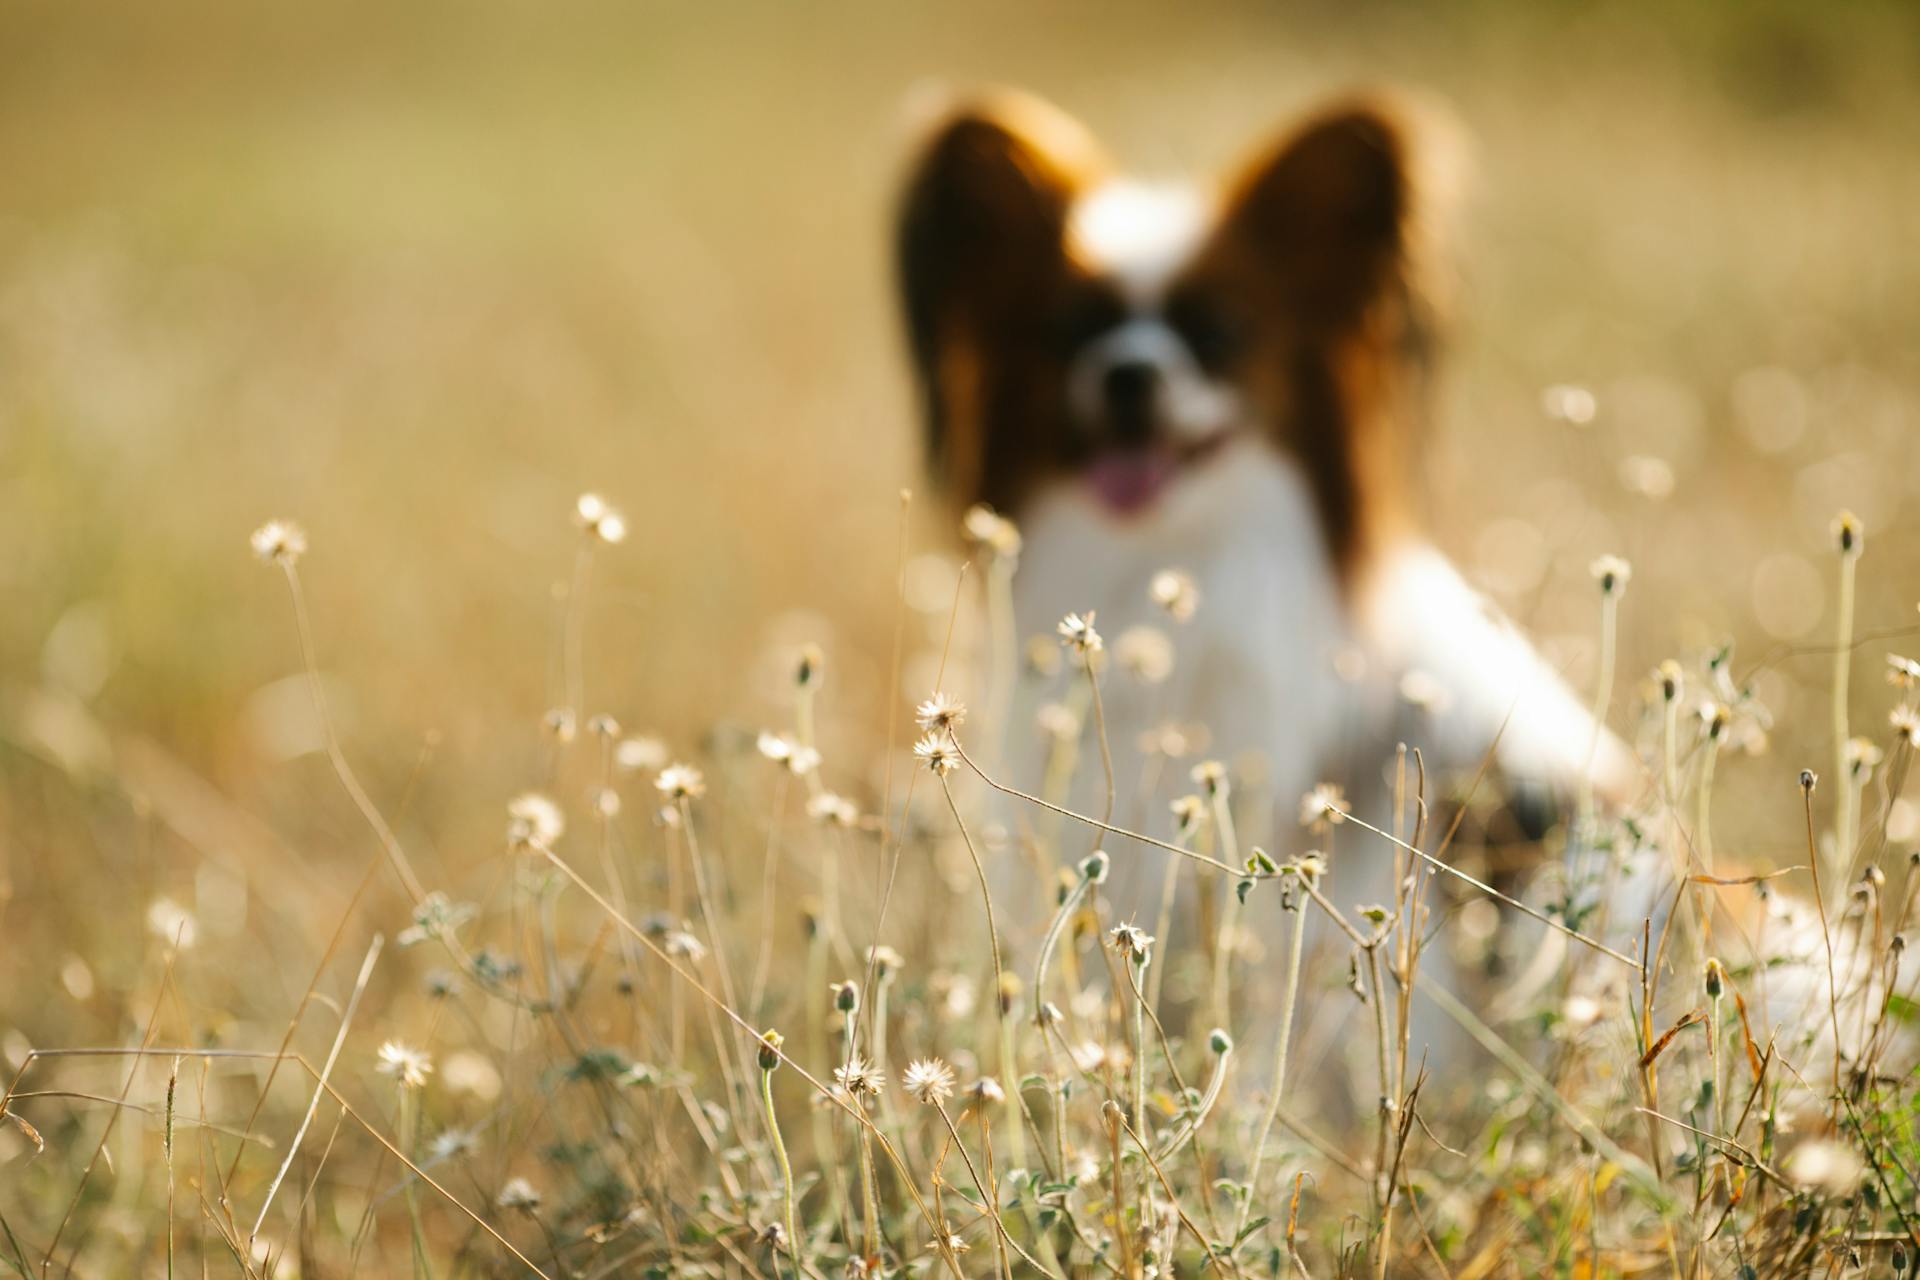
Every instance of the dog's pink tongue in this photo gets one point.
(1128, 481)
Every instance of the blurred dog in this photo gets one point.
(1231, 381)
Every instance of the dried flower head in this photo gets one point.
(1132, 942)
(940, 713)
(928, 1081)
(592, 514)
(1849, 535)
(1145, 653)
(886, 962)
(1174, 591)
(1903, 673)
(517, 1194)
(937, 753)
(279, 542)
(788, 754)
(1906, 725)
(1189, 812)
(1078, 633)
(603, 726)
(984, 525)
(860, 1077)
(846, 996)
(986, 1091)
(640, 753)
(1862, 756)
(681, 782)
(1670, 679)
(534, 821)
(1612, 573)
(1210, 776)
(409, 1066)
(833, 810)
(561, 723)
(1324, 806)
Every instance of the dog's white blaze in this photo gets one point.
(1137, 233)
(1191, 405)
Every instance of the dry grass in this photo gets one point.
(418, 281)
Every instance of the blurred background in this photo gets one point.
(416, 276)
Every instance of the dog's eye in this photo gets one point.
(1214, 337)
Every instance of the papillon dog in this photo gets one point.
(1230, 382)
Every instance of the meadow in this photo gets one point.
(408, 892)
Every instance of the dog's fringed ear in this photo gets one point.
(1335, 210)
(981, 240)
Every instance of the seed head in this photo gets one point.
(1132, 942)
(1174, 591)
(937, 753)
(517, 1194)
(534, 821)
(1612, 573)
(787, 753)
(940, 713)
(984, 525)
(928, 1080)
(681, 782)
(986, 1091)
(561, 723)
(1078, 634)
(1862, 756)
(860, 1077)
(1210, 776)
(1219, 1041)
(640, 753)
(279, 542)
(809, 667)
(1189, 813)
(1716, 978)
(1906, 725)
(1670, 678)
(886, 962)
(1902, 673)
(846, 996)
(1094, 866)
(1324, 806)
(833, 810)
(408, 1065)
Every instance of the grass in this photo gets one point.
(419, 279)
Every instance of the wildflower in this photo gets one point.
(1669, 675)
(640, 753)
(834, 810)
(951, 1242)
(846, 996)
(560, 722)
(534, 821)
(518, 1194)
(991, 530)
(937, 754)
(1132, 942)
(408, 1065)
(591, 513)
(1009, 993)
(1174, 591)
(603, 726)
(810, 666)
(885, 961)
(681, 782)
(1078, 632)
(1219, 1041)
(1902, 673)
(1714, 718)
(1189, 812)
(172, 923)
(1311, 865)
(1849, 535)
(1716, 977)
(940, 713)
(1145, 653)
(682, 945)
(451, 1143)
(435, 917)
(1210, 775)
(1612, 573)
(928, 1081)
(1862, 756)
(1906, 725)
(606, 802)
(788, 754)
(986, 1091)
(1324, 806)
(860, 1077)
(279, 542)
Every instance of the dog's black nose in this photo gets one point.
(1129, 389)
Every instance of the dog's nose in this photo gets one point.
(1129, 389)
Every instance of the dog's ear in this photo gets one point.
(981, 245)
(1334, 211)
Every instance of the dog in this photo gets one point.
(1231, 381)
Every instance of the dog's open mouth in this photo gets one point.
(1128, 480)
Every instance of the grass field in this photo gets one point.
(418, 279)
